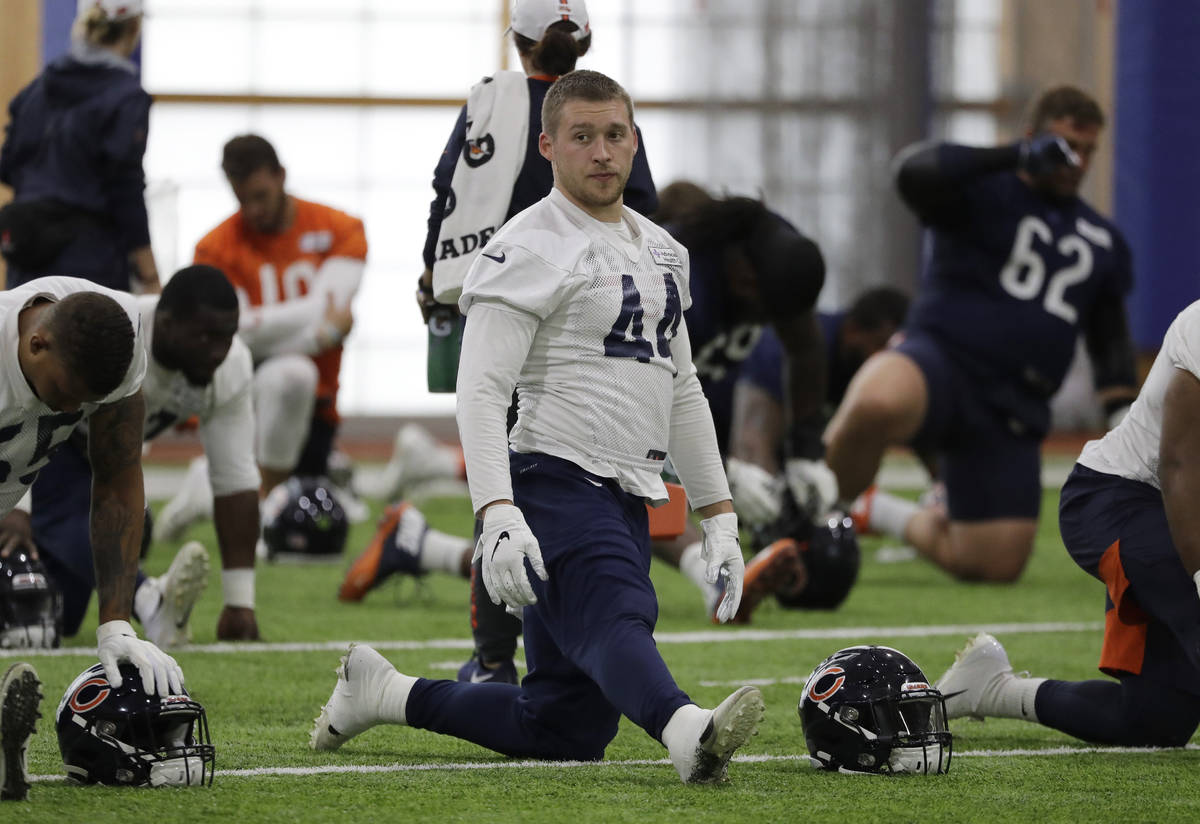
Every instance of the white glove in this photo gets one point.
(504, 545)
(813, 485)
(757, 494)
(1196, 578)
(116, 642)
(722, 550)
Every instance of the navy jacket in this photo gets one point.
(77, 135)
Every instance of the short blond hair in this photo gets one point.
(582, 84)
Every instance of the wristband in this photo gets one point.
(111, 628)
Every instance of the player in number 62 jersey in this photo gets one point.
(1018, 266)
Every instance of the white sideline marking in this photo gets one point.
(365, 769)
(714, 636)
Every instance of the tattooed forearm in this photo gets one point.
(115, 439)
(115, 554)
(118, 501)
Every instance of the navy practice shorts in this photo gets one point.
(989, 470)
(1116, 530)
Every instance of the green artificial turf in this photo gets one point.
(261, 704)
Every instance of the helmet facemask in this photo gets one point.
(30, 606)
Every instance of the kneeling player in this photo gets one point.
(195, 366)
(1128, 517)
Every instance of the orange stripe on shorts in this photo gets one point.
(1125, 624)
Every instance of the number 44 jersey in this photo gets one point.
(598, 382)
(1011, 278)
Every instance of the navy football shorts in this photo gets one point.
(990, 470)
(1116, 530)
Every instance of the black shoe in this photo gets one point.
(20, 695)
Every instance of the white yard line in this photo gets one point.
(714, 636)
(363, 769)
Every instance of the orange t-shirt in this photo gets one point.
(267, 269)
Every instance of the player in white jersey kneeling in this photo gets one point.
(75, 353)
(1128, 517)
(577, 302)
(195, 366)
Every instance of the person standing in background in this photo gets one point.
(73, 156)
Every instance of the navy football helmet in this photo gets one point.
(303, 521)
(122, 736)
(31, 609)
(828, 558)
(870, 709)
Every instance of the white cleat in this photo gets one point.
(193, 502)
(354, 705)
(179, 589)
(973, 683)
(732, 724)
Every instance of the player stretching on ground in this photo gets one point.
(1019, 265)
(578, 304)
(1128, 517)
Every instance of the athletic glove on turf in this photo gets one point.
(757, 494)
(721, 549)
(504, 546)
(813, 485)
(1043, 153)
(116, 642)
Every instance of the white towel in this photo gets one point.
(487, 169)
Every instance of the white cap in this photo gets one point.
(113, 9)
(531, 18)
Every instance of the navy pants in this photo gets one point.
(62, 504)
(1116, 530)
(589, 643)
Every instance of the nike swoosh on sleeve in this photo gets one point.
(498, 258)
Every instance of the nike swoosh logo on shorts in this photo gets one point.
(498, 258)
(482, 678)
(594, 483)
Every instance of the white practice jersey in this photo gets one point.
(1131, 449)
(30, 430)
(224, 407)
(597, 385)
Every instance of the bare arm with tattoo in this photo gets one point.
(118, 502)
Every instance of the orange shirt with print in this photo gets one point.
(270, 268)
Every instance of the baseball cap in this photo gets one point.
(113, 9)
(531, 18)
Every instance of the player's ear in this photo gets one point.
(38, 342)
(546, 146)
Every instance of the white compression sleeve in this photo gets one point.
(292, 325)
(496, 341)
(693, 442)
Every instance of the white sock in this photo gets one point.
(1012, 697)
(146, 599)
(682, 733)
(890, 514)
(442, 552)
(395, 698)
(238, 587)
